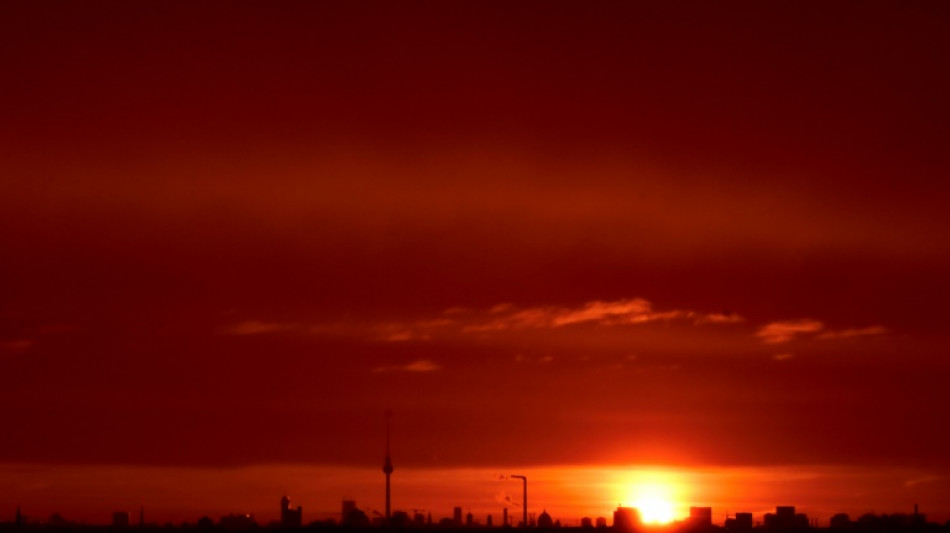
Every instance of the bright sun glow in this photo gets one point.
(655, 510)
(655, 494)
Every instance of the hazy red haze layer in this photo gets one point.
(708, 237)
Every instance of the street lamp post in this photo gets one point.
(524, 500)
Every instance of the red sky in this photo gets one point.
(543, 234)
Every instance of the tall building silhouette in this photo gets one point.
(348, 507)
(626, 518)
(700, 517)
(290, 517)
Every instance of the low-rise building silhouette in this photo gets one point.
(237, 522)
(741, 522)
(785, 517)
(840, 521)
(351, 516)
(121, 519)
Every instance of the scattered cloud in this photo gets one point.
(422, 365)
(256, 327)
(597, 311)
(854, 332)
(783, 356)
(786, 330)
(456, 322)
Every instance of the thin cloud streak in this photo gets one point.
(597, 312)
(871, 331)
(422, 365)
(499, 318)
(256, 327)
(784, 331)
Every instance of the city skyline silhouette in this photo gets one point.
(647, 254)
(625, 518)
(510, 512)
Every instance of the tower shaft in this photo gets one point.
(388, 469)
(389, 514)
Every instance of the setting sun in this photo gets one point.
(655, 495)
(655, 510)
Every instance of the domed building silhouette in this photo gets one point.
(544, 520)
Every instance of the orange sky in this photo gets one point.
(707, 238)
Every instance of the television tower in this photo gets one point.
(388, 468)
